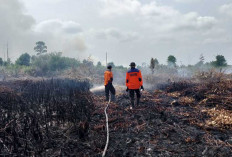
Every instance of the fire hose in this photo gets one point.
(107, 130)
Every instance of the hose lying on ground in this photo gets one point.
(107, 129)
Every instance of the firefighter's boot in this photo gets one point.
(107, 97)
(132, 103)
(113, 98)
(138, 101)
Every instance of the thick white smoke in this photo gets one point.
(21, 31)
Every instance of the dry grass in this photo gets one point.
(174, 94)
(219, 118)
(186, 100)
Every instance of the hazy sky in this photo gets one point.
(129, 30)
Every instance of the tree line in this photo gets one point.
(46, 62)
(219, 62)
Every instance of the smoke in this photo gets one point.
(62, 36)
(21, 31)
(15, 27)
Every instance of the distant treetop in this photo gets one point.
(40, 47)
(171, 60)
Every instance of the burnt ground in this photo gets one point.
(167, 123)
(179, 119)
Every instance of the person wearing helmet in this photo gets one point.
(108, 79)
(134, 82)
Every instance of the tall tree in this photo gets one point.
(171, 60)
(152, 65)
(24, 59)
(1, 62)
(220, 62)
(202, 59)
(40, 47)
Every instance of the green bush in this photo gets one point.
(220, 62)
(53, 62)
(24, 59)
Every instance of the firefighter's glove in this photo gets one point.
(127, 89)
(142, 88)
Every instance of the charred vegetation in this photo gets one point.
(38, 117)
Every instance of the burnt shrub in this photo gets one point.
(35, 114)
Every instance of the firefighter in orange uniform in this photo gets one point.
(134, 82)
(108, 79)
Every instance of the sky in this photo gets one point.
(128, 30)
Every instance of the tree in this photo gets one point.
(88, 63)
(201, 61)
(156, 62)
(51, 62)
(99, 64)
(5, 63)
(1, 62)
(220, 62)
(24, 59)
(152, 65)
(40, 47)
(171, 60)
(112, 64)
